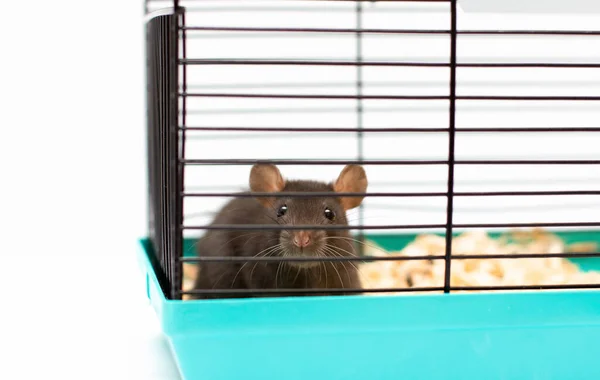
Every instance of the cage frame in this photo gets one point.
(498, 329)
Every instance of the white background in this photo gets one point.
(73, 192)
(73, 203)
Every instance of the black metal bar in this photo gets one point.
(525, 193)
(308, 291)
(161, 141)
(387, 162)
(528, 225)
(253, 227)
(309, 162)
(451, 144)
(182, 150)
(359, 113)
(531, 32)
(301, 96)
(311, 194)
(222, 259)
(526, 287)
(176, 154)
(536, 129)
(529, 98)
(175, 167)
(394, 194)
(183, 126)
(388, 97)
(282, 62)
(390, 130)
(389, 290)
(528, 162)
(394, 31)
(318, 130)
(531, 65)
(317, 30)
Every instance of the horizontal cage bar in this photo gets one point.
(389, 130)
(315, 30)
(525, 287)
(308, 291)
(386, 162)
(292, 194)
(272, 227)
(279, 62)
(391, 97)
(394, 31)
(221, 259)
(183, 2)
(388, 290)
(242, 227)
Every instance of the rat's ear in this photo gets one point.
(352, 179)
(266, 178)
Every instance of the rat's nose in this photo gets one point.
(301, 239)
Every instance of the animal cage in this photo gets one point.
(477, 240)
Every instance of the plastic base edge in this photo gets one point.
(510, 335)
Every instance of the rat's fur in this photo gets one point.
(249, 243)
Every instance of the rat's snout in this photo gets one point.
(301, 239)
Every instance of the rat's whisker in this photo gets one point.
(297, 274)
(195, 244)
(344, 263)
(340, 249)
(354, 240)
(334, 268)
(266, 251)
(268, 254)
(277, 275)
(333, 249)
(225, 271)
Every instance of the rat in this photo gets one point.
(281, 211)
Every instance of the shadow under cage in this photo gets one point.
(462, 162)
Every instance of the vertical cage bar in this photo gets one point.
(451, 141)
(150, 117)
(359, 114)
(184, 98)
(165, 203)
(163, 140)
(160, 138)
(180, 165)
(175, 161)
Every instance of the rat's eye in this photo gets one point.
(329, 214)
(282, 210)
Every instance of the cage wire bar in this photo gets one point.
(165, 167)
(167, 63)
(359, 116)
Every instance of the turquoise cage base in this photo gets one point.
(549, 335)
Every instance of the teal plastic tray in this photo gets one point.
(509, 335)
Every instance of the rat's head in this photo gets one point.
(294, 211)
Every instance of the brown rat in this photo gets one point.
(283, 211)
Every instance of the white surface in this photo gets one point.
(71, 306)
(72, 172)
(532, 6)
